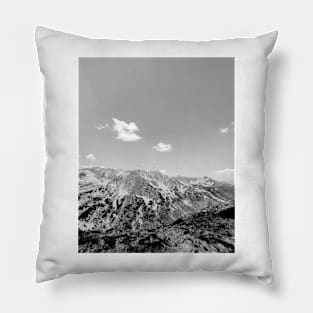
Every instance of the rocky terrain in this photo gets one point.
(142, 211)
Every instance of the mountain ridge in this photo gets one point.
(133, 204)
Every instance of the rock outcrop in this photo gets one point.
(141, 211)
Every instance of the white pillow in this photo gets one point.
(145, 220)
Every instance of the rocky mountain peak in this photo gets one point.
(128, 202)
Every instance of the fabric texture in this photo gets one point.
(59, 55)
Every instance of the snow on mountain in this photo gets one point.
(147, 211)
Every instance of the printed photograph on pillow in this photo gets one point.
(156, 155)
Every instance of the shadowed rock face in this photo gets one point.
(140, 211)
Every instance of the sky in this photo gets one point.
(175, 115)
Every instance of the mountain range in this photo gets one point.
(146, 211)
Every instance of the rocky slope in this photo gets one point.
(141, 211)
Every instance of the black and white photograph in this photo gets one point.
(156, 155)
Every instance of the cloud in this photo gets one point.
(163, 172)
(91, 158)
(100, 127)
(125, 131)
(226, 174)
(226, 171)
(224, 130)
(162, 147)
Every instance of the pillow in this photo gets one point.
(154, 155)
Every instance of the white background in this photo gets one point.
(289, 157)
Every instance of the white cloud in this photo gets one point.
(226, 174)
(163, 172)
(125, 131)
(226, 171)
(100, 127)
(224, 130)
(91, 158)
(162, 147)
